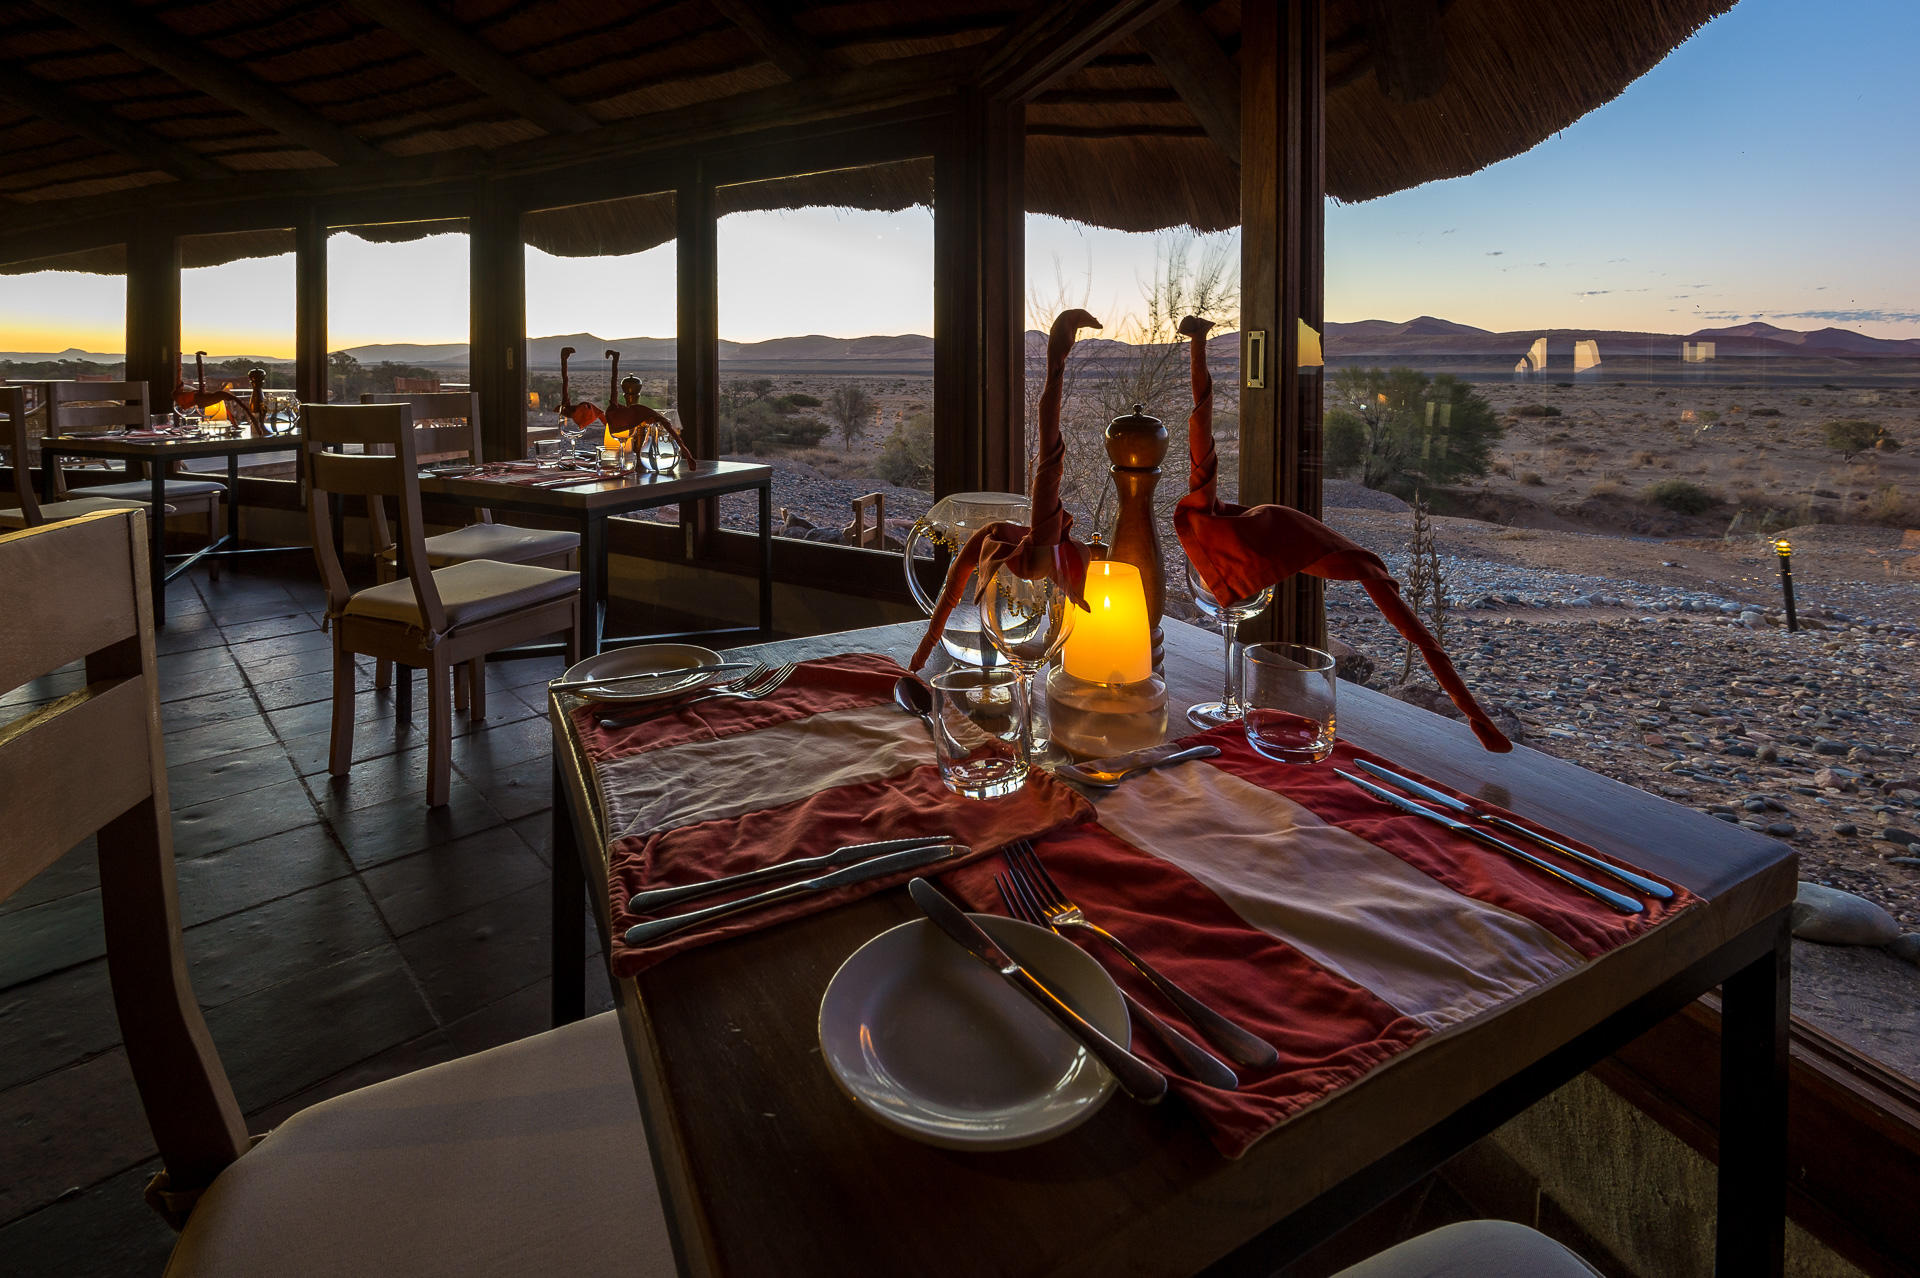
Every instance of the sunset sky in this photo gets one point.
(1768, 169)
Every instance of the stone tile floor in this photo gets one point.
(337, 933)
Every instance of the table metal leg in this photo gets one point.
(233, 501)
(1754, 1013)
(569, 913)
(157, 542)
(766, 560)
(593, 580)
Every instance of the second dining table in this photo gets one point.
(765, 1165)
(588, 503)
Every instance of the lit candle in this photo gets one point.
(1111, 642)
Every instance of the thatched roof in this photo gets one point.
(105, 104)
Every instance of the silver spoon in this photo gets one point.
(916, 698)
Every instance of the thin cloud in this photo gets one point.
(1496, 252)
(1593, 292)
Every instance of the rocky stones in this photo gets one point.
(1846, 829)
(1905, 838)
(1782, 830)
(1833, 917)
(1834, 779)
(1827, 745)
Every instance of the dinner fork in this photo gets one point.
(1197, 1060)
(1240, 1046)
(752, 688)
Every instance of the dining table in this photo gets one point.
(765, 1166)
(587, 504)
(158, 453)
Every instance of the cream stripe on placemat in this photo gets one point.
(712, 780)
(1357, 909)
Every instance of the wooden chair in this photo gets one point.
(446, 427)
(82, 406)
(528, 1155)
(435, 618)
(29, 511)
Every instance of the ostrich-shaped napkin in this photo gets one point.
(1045, 549)
(1239, 552)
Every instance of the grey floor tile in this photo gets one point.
(415, 891)
(300, 690)
(431, 1048)
(208, 740)
(205, 708)
(226, 776)
(280, 1041)
(536, 832)
(383, 831)
(476, 958)
(77, 871)
(241, 953)
(249, 874)
(215, 677)
(518, 790)
(107, 1231)
(273, 809)
(246, 653)
(56, 1021)
(265, 619)
(73, 1127)
(310, 754)
(46, 938)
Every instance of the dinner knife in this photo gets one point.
(678, 672)
(1657, 890)
(657, 898)
(912, 858)
(1137, 1078)
(1619, 901)
(1113, 770)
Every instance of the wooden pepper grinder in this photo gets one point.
(1136, 445)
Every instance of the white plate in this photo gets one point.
(935, 1045)
(645, 658)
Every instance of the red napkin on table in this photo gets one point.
(1239, 552)
(1046, 549)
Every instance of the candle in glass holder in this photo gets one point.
(1112, 641)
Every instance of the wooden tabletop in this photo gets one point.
(609, 496)
(766, 1168)
(147, 449)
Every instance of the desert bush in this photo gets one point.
(1893, 507)
(1537, 410)
(1533, 478)
(1763, 412)
(1606, 488)
(1707, 415)
(795, 400)
(1851, 435)
(1805, 401)
(757, 426)
(1754, 498)
(850, 406)
(1400, 429)
(1681, 496)
(906, 458)
(1645, 457)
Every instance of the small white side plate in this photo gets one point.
(932, 1043)
(645, 658)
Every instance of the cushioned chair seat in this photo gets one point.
(1475, 1249)
(470, 592)
(526, 1159)
(500, 542)
(55, 511)
(140, 489)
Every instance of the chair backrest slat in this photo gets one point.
(92, 405)
(93, 761)
(13, 406)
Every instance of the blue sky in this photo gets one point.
(1769, 168)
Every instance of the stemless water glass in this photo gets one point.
(1289, 690)
(1211, 714)
(976, 732)
(1027, 621)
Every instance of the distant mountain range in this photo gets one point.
(1421, 337)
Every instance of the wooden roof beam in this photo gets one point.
(797, 54)
(1052, 40)
(90, 120)
(478, 63)
(219, 78)
(1202, 74)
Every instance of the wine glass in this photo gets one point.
(1211, 714)
(571, 431)
(1027, 621)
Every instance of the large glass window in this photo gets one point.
(826, 353)
(397, 310)
(601, 278)
(65, 317)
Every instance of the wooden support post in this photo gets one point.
(498, 300)
(1282, 247)
(979, 281)
(310, 308)
(698, 282)
(153, 307)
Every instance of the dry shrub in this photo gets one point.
(1533, 478)
(1763, 411)
(1645, 457)
(1754, 499)
(1738, 461)
(1517, 534)
(1606, 488)
(1681, 496)
(1893, 507)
